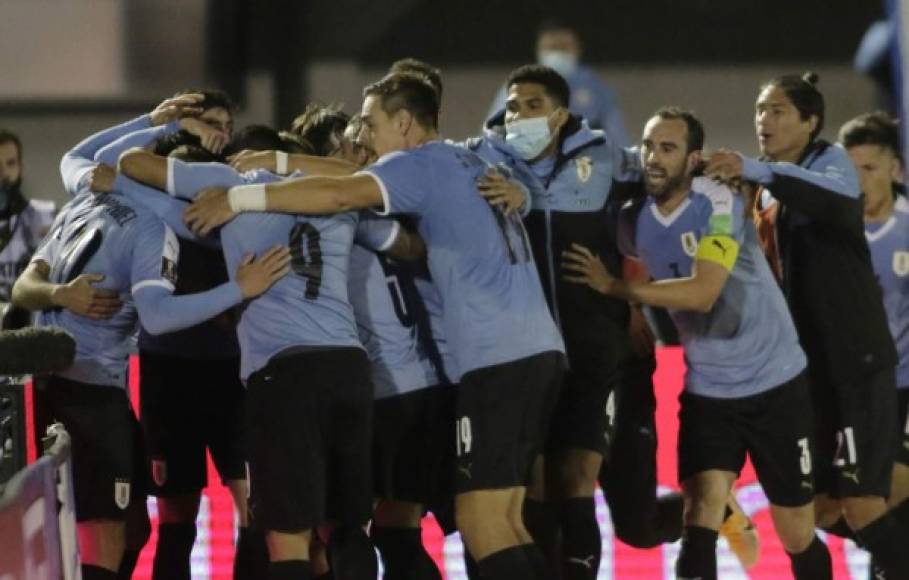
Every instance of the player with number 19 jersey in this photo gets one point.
(506, 346)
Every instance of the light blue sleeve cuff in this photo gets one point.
(758, 171)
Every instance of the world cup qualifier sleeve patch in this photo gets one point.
(170, 254)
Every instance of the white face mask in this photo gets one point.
(563, 62)
(528, 137)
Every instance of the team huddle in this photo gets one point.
(364, 322)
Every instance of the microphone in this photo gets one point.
(35, 350)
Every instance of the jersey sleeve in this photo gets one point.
(377, 233)
(168, 208)
(48, 248)
(402, 177)
(110, 153)
(188, 179)
(155, 254)
(724, 230)
(78, 161)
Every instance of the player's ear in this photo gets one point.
(694, 161)
(403, 121)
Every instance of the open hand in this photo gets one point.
(82, 298)
(210, 210)
(247, 160)
(587, 269)
(255, 277)
(502, 192)
(175, 107)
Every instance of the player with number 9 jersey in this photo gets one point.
(309, 389)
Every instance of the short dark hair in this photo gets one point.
(295, 144)
(181, 139)
(695, 133)
(802, 91)
(212, 99)
(420, 67)
(553, 83)
(876, 128)
(410, 92)
(555, 25)
(322, 126)
(193, 154)
(255, 138)
(7, 136)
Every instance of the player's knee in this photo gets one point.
(179, 509)
(577, 473)
(795, 527)
(861, 511)
(705, 501)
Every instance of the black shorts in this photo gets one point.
(584, 416)
(856, 435)
(309, 426)
(502, 415)
(411, 440)
(108, 453)
(902, 454)
(774, 428)
(188, 406)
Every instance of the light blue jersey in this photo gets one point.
(310, 307)
(494, 311)
(747, 343)
(391, 318)
(111, 235)
(889, 245)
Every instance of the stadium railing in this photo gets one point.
(37, 518)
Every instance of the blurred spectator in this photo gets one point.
(559, 48)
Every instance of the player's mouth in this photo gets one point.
(655, 174)
(764, 137)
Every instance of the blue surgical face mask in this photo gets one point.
(528, 137)
(563, 62)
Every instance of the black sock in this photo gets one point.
(351, 554)
(842, 530)
(813, 563)
(128, 564)
(289, 570)
(175, 543)
(541, 566)
(541, 518)
(90, 572)
(901, 512)
(581, 540)
(886, 539)
(403, 554)
(507, 564)
(251, 559)
(470, 566)
(697, 558)
(326, 576)
(668, 522)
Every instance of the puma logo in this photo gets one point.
(720, 246)
(465, 469)
(853, 475)
(586, 562)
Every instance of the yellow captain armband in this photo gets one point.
(721, 250)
